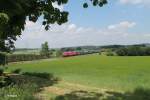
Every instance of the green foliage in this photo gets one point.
(146, 51)
(67, 49)
(24, 87)
(85, 5)
(1, 71)
(138, 94)
(58, 53)
(100, 53)
(24, 57)
(16, 71)
(5, 81)
(78, 48)
(40, 75)
(3, 19)
(3, 22)
(45, 50)
(80, 95)
(3, 58)
(2, 81)
(99, 3)
(109, 54)
(133, 51)
(122, 52)
(15, 92)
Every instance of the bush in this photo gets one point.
(59, 53)
(16, 71)
(3, 58)
(122, 52)
(109, 54)
(2, 81)
(23, 92)
(24, 87)
(133, 51)
(1, 71)
(24, 57)
(81, 95)
(100, 53)
(5, 81)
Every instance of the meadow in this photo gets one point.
(113, 73)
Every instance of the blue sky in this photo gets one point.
(113, 12)
(118, 22)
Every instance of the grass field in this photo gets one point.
(114, 73)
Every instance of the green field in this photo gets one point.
(113, 73)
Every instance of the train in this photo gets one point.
(76, 53)
(70, 53)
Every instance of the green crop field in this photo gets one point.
(114, 73)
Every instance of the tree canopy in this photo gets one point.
(13, 15)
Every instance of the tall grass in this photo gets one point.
(26, 86)
(18, 92)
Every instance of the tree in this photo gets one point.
(147, 51)
(13, 15)
(122, 51)
(45, 49)
(78, 48)
(133, 51)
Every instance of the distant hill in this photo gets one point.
(88, 48)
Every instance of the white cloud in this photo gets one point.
(122, 25)
(135, 2)
(72, 27)
(72, 35)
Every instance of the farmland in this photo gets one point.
(95, 71)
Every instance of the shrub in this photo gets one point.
(23, 92)
(100, 53)
(109, 53)
(133, 51)
(58, 53)
(40, 75)
(1, 71)
(80, 95)
(16, 71)
(2, 81)
(122, 52)
(3, 58)
(24, 57)
(24, 87)
(5, 81)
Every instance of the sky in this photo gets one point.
(118, 22)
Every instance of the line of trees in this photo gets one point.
(44, 54)
(24, 57)
(133, 51)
